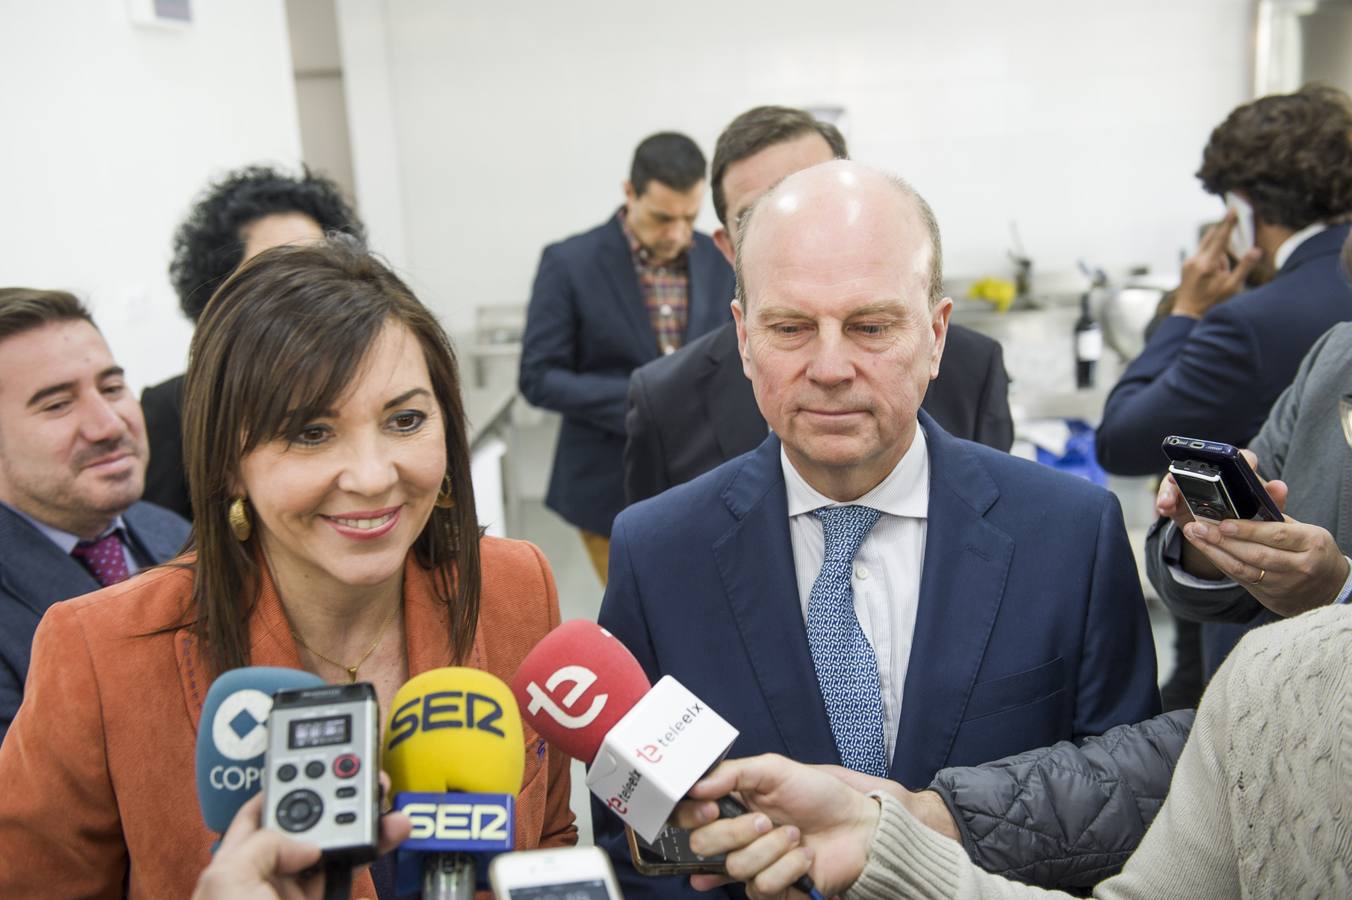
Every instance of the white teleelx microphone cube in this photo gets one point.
(655, 754)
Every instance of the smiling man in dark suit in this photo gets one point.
(692, 410)
(607, 301)
(863, 588)
(72, 468)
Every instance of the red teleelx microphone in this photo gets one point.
(578, 719)
(583, 691)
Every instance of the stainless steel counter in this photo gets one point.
(485, 409)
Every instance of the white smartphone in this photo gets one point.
(564, 873)
(1241, 237)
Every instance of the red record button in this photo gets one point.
(347, 765)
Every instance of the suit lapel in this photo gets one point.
(426, 637)
(35, 570)
(270, 644)
(158, 543)
(617, 266)
(427, 634)
(736, 420)
(1325, 243)
(755, 562)
(966, 563)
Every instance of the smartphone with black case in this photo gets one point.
(1217, 482)
(671, 855)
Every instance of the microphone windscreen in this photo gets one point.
(576, 684)
(455, 729)
(232, 737)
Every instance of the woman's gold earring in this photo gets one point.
(446, 496)
(239, 520)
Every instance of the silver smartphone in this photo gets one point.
(563, 873)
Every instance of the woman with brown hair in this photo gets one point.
(335, 532)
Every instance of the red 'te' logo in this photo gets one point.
(650, 753)
(581, 678)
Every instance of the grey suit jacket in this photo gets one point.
(35, 573)
(1301, 443)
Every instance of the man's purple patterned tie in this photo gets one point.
(105, 558)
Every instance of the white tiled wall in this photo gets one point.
(109, 130)
(514, 121)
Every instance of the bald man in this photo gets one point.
(863, 588)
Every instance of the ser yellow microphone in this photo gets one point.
(455, 754)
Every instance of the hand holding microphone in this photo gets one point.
(584, 692)
(826, 827)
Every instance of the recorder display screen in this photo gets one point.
(306, 733)
(1202, 490)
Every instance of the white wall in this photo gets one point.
(1083, 119)
(371, 112)
(107, 132)
(320, 100)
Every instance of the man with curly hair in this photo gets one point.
(248, 211)
(1214, 368)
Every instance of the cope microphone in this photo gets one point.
(232, 737)
(455, 754)
(583, 691)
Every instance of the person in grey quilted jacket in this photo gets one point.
(1061, 817)
(1067, 816)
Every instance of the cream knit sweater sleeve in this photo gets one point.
(1259, 804)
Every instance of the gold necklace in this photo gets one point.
(352, 669)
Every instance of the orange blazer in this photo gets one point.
(97, 786)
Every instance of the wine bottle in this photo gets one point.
(1088, 345)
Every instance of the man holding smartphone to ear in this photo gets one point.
(1213, 369)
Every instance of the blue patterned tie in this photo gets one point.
(847, 670)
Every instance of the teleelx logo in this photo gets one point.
(239, 729)
(581, 678)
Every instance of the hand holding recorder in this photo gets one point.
(255, 863)
(246, 743)
(1288, 566)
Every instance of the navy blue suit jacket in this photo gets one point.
(1216, 378)
(587, 329)
(35, 573)
(1031, 626)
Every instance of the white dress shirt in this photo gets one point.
(1289, 245)
(886, 581)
